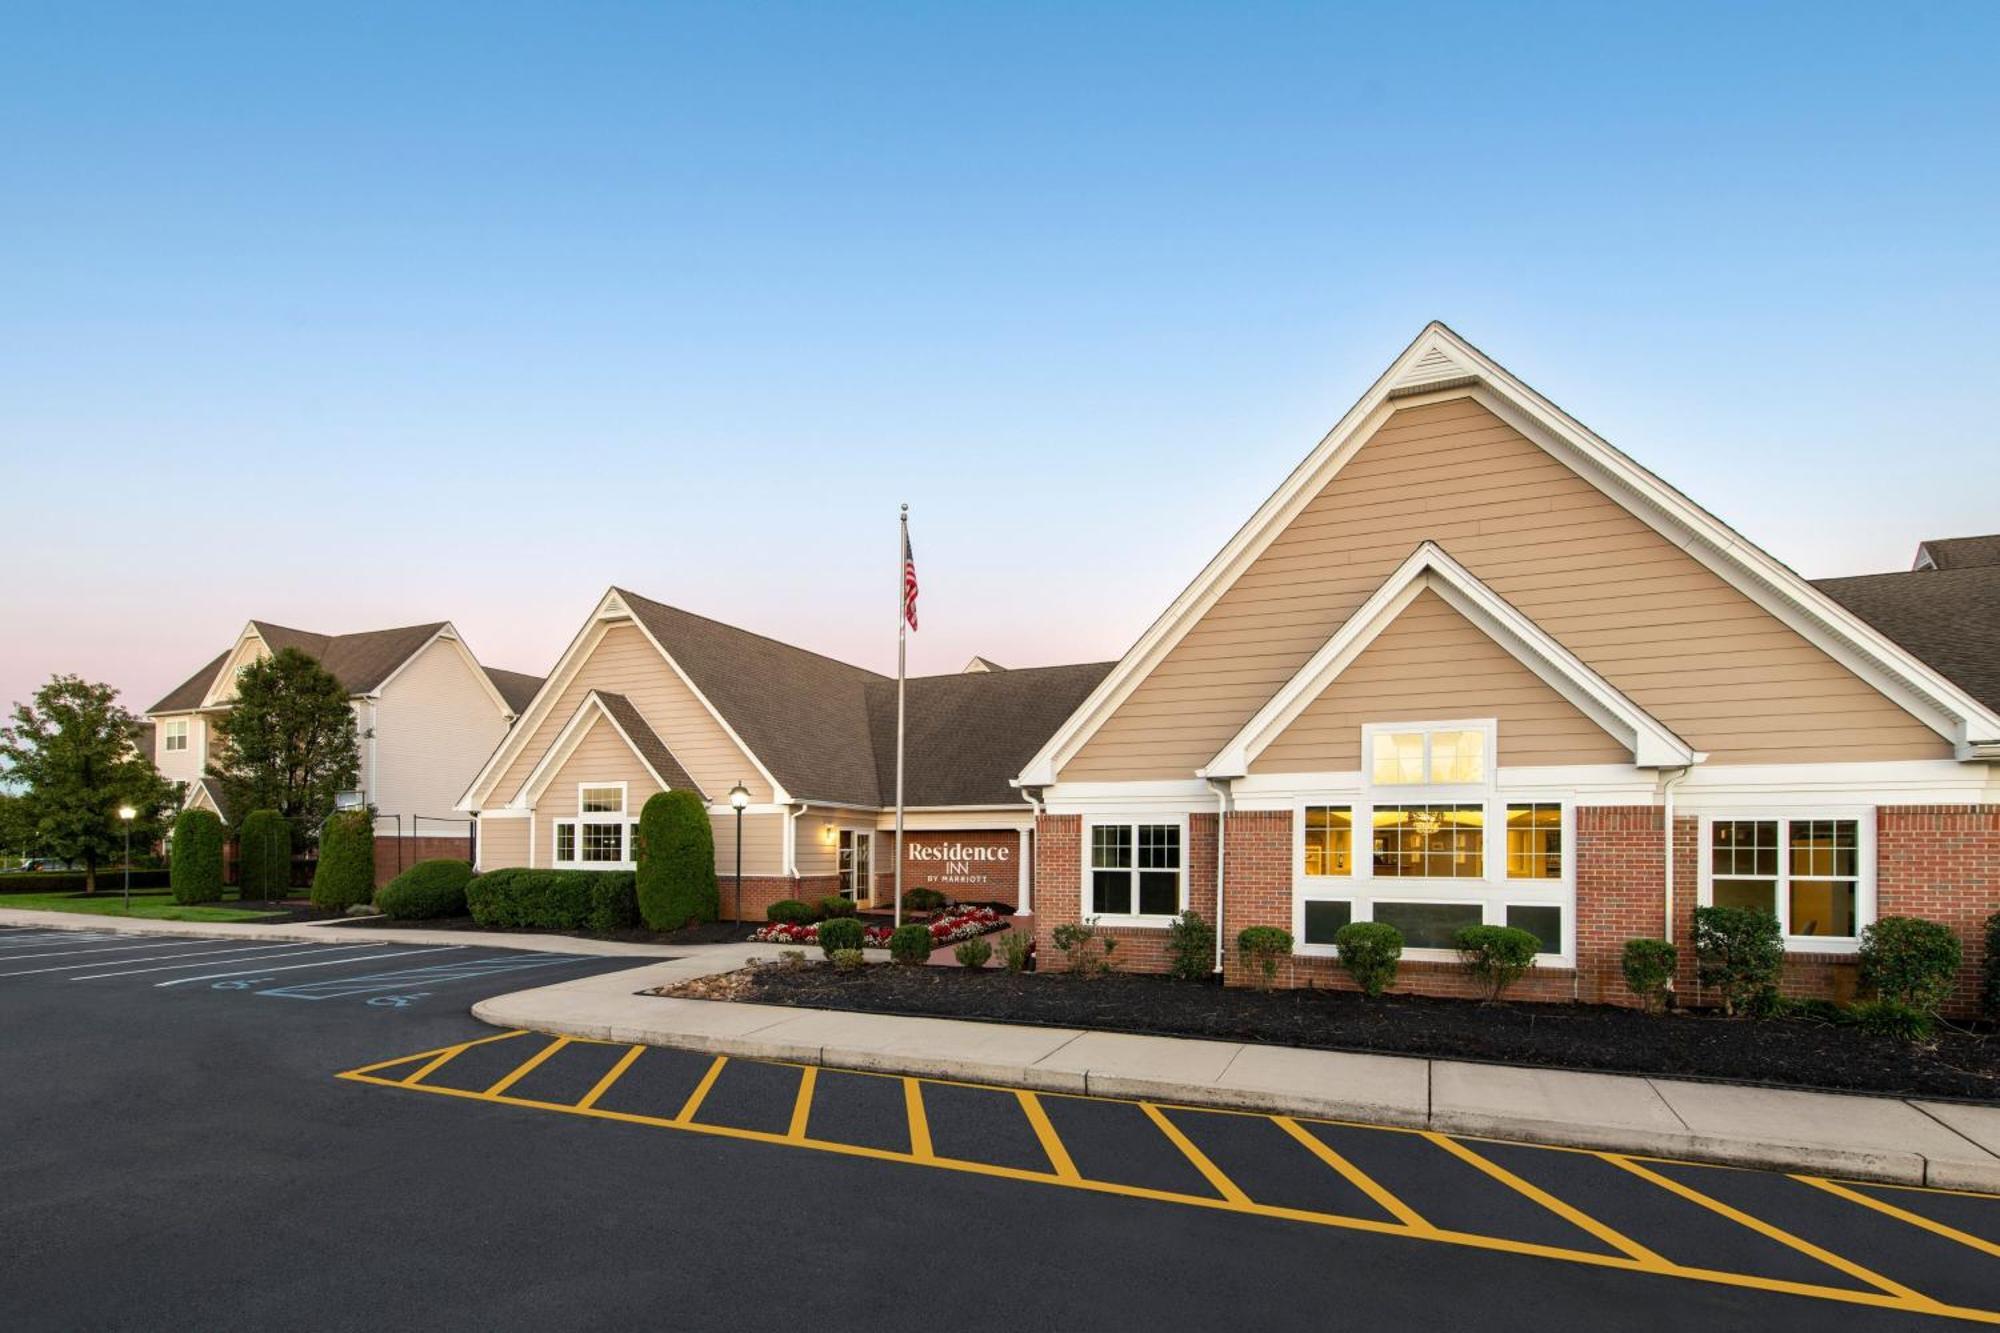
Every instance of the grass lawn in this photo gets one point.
(108, 901)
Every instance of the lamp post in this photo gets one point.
(126, 814)
(739, 796)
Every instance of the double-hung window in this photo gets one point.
(174, 734)
(1136, 870)
(1810, 871)
(601, 835)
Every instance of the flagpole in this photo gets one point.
(902, 647)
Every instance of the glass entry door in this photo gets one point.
(856, 864)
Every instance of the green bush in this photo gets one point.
(842, 932)
(1087, 953)
(264, 856)
(1910, 962)
(1262, 947)
(922, 900)
(1989, 988)
(1739, 951)
(72, 881)
(346, 872)
(676, 857)
(910, 944)
(1370, 951)
(196, 870)
(1496, 956)
(1191, 947)
(972, 953)
(1891, 1018)
(1017, 948)
(789, 912)
(426, 891)
(596, 900)
(1649, 966)
(848, 960)
(834, 906)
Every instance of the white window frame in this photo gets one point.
(1145, 920)
(1863, 817)
(168, 735)
(580, 818)
(1488, 727)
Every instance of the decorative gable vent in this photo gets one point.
(1436, 368)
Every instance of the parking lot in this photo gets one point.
(320, 1136)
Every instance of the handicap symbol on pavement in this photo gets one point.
(398, 1001)
(240, 985)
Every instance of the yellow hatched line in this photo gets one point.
(529, 1065)
(1979, 1243)
(802, 1108)
(1469, 1240)
(1779, 1234)
(1574, 1216)
(1210, 1172)
(700, 1093)
(1360, 1179)
(1052, 1144)
(920, 1125)
(611, 1076)
(436, 1050)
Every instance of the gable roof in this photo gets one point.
(1959, 552)
(516, 687)
(1439, 364)
(966, 735)
(1948, 616)
(187, 696)
(361, 662)
(647, 743)
(1652, 743)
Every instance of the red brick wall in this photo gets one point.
(1621, 872)
(760, 891)
(1942, 863)
(1059, 867)
(412, 850)
(992, 880)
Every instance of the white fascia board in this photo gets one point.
(564, 745)
(1653, 744)
(208, 698)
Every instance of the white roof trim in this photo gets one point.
(200, 791)
(449, 633)
(564, 745)
(1439, 361)
(209, 699)
(1652, 743)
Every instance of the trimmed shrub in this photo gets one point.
(1017, 950)
(1649, 965)
(264, 855)
(195, 872)
(910, 944)
(346, 873)
(1262, 947)
(972, 953)
(676, 878)
(848, 960)
(1496, 956)
(1371, 952)
(834, 907)
(1738, 950)
(789, 912)
(1989, 988)
(1910, 962)
(1085, 951)
(1891, 1018)
(515, 898)
(842, 932)
(426, 891)
(1191, 947)
(67, 881)
(922, 900)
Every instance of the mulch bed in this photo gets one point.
(1800, 1053)
(709, 932)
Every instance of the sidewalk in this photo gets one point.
(1942, 1144)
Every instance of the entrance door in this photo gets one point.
(857, 848)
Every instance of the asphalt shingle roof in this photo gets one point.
(1964, 552)
(648, 742)
(1950, 618)
(359, 661)
(518, 688)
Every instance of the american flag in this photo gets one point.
(909, 579)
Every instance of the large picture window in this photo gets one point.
(1429, 841)
(1805, 871)
(602, 834)
(1136, 870)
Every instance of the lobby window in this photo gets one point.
(1429, 841)
(1535, 841)
(1136, 870)
(1329, 840)
(1807, 872)
(174, 734)
(1447, 754)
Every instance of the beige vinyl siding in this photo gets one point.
(763, 845)
(1652, 620)
(817, 853)
(502, 842)
(1430, 664)
(435, 725)
(180, 765)
(250, 649)
(601, 756)
(623, 661)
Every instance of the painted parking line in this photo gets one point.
(675, 1098)
(92, 944)
(440, 974)
(209, 953)
(371, 956)
(271, 951)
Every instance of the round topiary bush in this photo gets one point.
(195, 873)
(1496, 956)
(790, 912)
(1370, 951)
(346, 873)
(922, 900)
(264, 856)
(426, 891)
(1911, 962)
(842, 932)
(837, 906)
(973, 953)
(676, 882)
(1649, 967)
(910, 944)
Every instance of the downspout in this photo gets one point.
(1221, 786)
(1029, 794)
(792, 841)
(1667, 800)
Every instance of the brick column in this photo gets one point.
(1942, 863)
(1621, 892)
(1257, 872)
(1058, 887)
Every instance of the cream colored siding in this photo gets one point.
(435, 725)
(502, 842)
(250, 649)
(1430, 664)
(624, 662)
(818, 852)
(180, 765)
(763, 845)
(1657, 624)
(602, 756)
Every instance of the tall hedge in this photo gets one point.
(195, 873)
(346, 873)
(264, 855)
(676, 862)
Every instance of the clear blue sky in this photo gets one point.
(353, 318)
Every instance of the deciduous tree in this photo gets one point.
(287, 742)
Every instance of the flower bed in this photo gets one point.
(949, 926)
